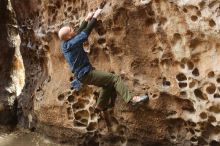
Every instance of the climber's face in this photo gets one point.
(66, 33)
(71, 32)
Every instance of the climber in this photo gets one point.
(72, 48)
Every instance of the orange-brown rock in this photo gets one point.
(164, 48)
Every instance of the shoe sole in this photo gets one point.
(141, 102)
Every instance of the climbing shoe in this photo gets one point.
(139, 99)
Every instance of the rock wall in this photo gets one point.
(164, 48)
(12, 74)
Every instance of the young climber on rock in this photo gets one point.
(72, 48)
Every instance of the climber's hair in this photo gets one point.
(64, 30)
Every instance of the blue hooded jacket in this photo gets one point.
(76, 57)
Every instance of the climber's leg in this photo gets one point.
(107, 81)
(106, 98)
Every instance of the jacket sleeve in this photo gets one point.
(90, 26)
(78, 39)
(82, 26)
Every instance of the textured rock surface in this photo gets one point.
(168, 49)
(12, 74)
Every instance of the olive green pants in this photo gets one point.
(111, 86)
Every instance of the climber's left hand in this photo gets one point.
(89, 16)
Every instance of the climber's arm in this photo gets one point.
(92, 23)
(90, 26)
(82, 26)
(85, 22)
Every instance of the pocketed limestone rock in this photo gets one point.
(164, 48)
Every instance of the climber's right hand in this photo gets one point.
(102, 5)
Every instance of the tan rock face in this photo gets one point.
(167, 49)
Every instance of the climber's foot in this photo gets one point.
(139, 99)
